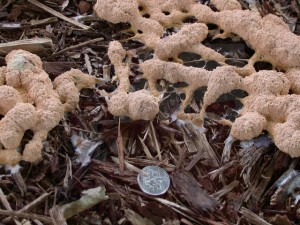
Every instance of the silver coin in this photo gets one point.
(154, 180)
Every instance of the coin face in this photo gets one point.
(154, 180)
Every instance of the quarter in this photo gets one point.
(154, 180)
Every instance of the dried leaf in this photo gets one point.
(84, 149)
(90, 198)
(88, 63)
(64, 5)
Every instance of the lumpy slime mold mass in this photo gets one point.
(273, 101)
(29, 100)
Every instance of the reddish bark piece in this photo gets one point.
(190, 190)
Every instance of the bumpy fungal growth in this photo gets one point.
(28, 101)
(226, 4)
(68, 85)
(136, 105)
(269, 105)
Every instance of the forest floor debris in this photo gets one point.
(257, 186)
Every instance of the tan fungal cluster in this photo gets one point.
(139, 105)
(269, 104)
(226, 5)
(29, 101)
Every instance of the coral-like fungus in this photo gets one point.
(28, 101)
(273, 101)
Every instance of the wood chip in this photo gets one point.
(55, 69)
(199, 142)
(136, 219)
(185, 184)
(146, 149)
(155, 141)
(120, 146)
(252, 217)
(39, 46)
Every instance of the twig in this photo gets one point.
(20, 182)
(225, 190)
(30, 206)
(42, 218)
(34, 203)
(75, 46)
(277, 7)
(57, 14)
(79, 129)
(146, 149)
(128, 166)
(4, 200)
(7, 4)
(120, 146)
(252, 217)
(155, 141)
(43, 21)
(39, 46)
(6, 203)
(173, 204)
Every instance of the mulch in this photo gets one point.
(256, 184)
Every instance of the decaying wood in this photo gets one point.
(263, 181)
(39, 46)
